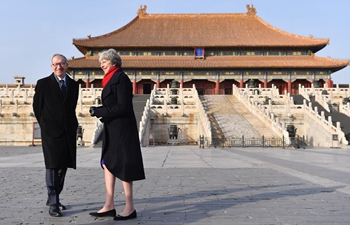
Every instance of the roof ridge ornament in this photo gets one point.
(251, 10)
(142, 10)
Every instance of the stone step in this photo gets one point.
(231, 123)
(260, 127)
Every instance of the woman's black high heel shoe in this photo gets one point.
(111, 213)
(133, 215)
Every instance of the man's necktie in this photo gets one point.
(63, 87)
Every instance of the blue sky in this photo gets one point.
(33, 30)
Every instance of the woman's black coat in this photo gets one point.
(121, 149)
(56, 116)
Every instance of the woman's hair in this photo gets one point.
(111, 55)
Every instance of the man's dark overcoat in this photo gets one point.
(56, 116)
(121, 149)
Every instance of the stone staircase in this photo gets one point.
(260, 127)
(230, 119)
(299, 99)
(210, 106)
(336, 117)
(139, 103)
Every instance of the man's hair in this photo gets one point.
(65, 59)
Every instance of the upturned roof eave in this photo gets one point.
(78, 42)
(85, 47)
(325, 63)
(332, 69)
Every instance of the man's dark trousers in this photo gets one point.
(54, 183)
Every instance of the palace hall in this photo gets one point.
(212, 51)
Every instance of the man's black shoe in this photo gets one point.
(62, 207)
(55, 211)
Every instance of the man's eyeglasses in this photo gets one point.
(58, 64)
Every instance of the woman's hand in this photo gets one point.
(92, 111)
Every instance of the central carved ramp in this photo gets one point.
(234, 119)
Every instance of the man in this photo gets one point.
(54, 104)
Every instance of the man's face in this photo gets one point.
(59, 66)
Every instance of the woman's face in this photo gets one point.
(106, 65)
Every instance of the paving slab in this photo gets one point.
(189, 185)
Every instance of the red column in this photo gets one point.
(265, 83)
(134, 87)
(217, 86)
(289, 88)
(241, 84)
(87, 83)
(157, 83)
(181, 81)
(329, 83)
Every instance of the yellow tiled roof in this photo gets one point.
(199, 30)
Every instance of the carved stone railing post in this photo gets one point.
(15, 112)
(26, 97)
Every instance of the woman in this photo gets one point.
(121, 153)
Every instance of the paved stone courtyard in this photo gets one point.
(189, 185)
